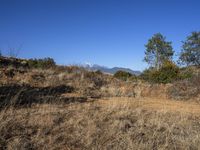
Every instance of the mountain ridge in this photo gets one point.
(112, 70)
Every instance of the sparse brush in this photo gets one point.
(185, 89)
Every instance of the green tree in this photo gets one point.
(190, 54)
(158, 50)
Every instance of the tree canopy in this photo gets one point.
(190, 54)
(158, 50)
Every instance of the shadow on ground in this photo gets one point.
(25, 95)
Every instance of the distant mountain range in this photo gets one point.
(110, 70)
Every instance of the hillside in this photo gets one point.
(69, 107)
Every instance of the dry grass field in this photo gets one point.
(75, 109)
(110, 123)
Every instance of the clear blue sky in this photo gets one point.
(105, 32)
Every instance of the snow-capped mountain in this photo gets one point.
(110, 70)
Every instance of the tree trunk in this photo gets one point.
(157, 60)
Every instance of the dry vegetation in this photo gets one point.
(71, 108)
(117, 123)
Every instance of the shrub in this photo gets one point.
(96, 78)
(185, 89)
(146, 74)
(41, 63)
(168, 73)
(125, 76)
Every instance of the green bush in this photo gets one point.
(168, 73)
(146, 74)
(125, 76)
(41, 63)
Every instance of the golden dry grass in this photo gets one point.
(114, 123)
(155, 104)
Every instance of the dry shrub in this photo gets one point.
(86, 83)
(185, 89)
(153, 90)
(95, 77)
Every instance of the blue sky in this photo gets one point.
(105, 32)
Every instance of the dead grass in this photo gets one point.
(116, 123)
(131, 122)
(155, 104)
